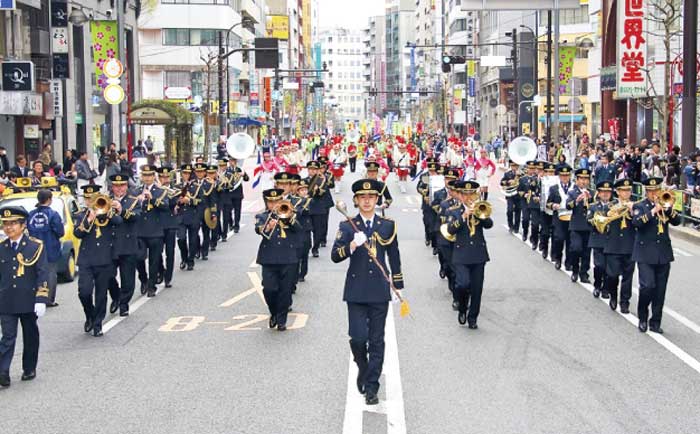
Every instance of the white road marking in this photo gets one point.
(393, 406)
(682, 252)
(686, 358)
(257, 287)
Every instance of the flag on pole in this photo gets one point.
(257, 172)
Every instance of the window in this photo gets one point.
(176, 37)
(195, 37)
(177, 79)
(203, 37)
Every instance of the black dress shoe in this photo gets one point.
(212, 249)
(235, 230)
(301, 279)
(323, 244)
(455, 306)
(273, 322)
(190, 267)
(427, 243)
(281, 327)
(510, 230)
(585, 279)
(151, 293)
(462, 318)
(568, 267)
(314, 254)
(183, 264)
(28, 376)
(435, 251)
(442, 273)
(360, 382)
(574, 277)
(87, 327)
(524, 238)
(605, 294)
(544, 255)
(596, 292)
(97, 332)
(124, 313)
(223, 239)
(205, 258)
(54, 304)
(168, 285)
(371, 398)
(624, 308)
(159, 279)
(557, 265)
(196, 256)
(613, 304)
(113, 306)
(656, 329)
(473, 326)
(534, 247)
(144, 287)
(642, 326)
(5, 380)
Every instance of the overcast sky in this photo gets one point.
(348, 13)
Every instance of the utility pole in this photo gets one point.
(690, 81)
(548, 109)
(220, 72)
(444, 87)
(516, 85)
(121, 47)
(555, 61)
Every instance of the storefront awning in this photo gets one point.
(565, 118)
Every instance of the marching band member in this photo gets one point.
(214, 203)
(367, 293)
(485, 169)
(653, 252)
(527, 187)
(23, 297)
(303, 213)
(170, 222)
(470, 255)
(579, 200)
(384, 200)
(597, 240)
(188, 209)
(207, 202)
(224, 217)
(154, 200)
(619, 266)
(327, 197)
(445, 200)
(402, 163)
(510, 182)
(317, 207)
(352, 156)
(556, 201)
(95, 266)
(546, 223)
(468, 164)
(126, 245)
(413, 154)
(429, 215)
(277, 255)
(337, 158)
(237, 177)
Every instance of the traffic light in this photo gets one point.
(325, 66)
(373, 92)
(448, 61)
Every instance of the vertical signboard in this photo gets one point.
(60, 39)
(631, 48)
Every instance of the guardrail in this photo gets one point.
(686, 204)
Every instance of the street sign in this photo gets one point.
(575, 105)
(269, 58)
(114, 94)
(56, 88)
(501, 109)
(7, 5)
(519, 5)
(113, 68)
(17, 76)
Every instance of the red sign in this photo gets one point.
(268, 94)
(632, 46)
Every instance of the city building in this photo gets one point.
(374, 66)
(399, 31)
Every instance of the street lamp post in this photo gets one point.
(537, 65)
(224, 117)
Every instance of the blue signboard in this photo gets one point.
(472, 87)
(7, 5)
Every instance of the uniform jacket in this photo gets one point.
(579, 216)
(169, 218)
(529, 190)
(597, 240)
(150, 226)
(384, 195)
(19, 293)
(608, 173)
(468, 249)
(126, 233)
(506, 181)
(46, 225)
(189, 213)
(94, 250)
(620, 239)
(280, 247)
(650, 246)
(238, 192)
(327, 198)
(301, 204)
(364, 282)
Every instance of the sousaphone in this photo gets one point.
(240, 146)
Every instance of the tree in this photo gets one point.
(664, 15)
(211, 60)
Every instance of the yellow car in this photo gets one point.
(66, 206)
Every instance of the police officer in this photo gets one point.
(653, 252)
(24, 292)
(470, 255)
(187, 209)
(170, 222)
(238, 177)
(277, 254)
(556, 201)
(619, 266)
(597, 240)
(154, 200)
(511, 180)
(367, 291)
(317, 207)
(95, 260)
(384, 201)
(579, 200)
(126, 244)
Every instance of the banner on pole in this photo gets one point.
(631, 49)
(105, 46)
(566, 66)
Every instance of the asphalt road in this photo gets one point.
(198, 358)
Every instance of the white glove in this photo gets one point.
(39, 309)
(359, 238)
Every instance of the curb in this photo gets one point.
(685, 233)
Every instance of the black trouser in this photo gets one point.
(187, 239)
(94, 279)
(353, 162)
(469, 283)
(277, 282)
(428, 222)
(125, 265)
(525, 214)
(324, 229)
(206, 240)
(616, 266)
(30, 340)
(580, 252)
(560, 240)
(225, 219)
(653, 279)
(366, 322)
(317, 223)
(237, 202)
(154, 249)
(445, 258)
(304, 254)
(599, 269)
(545, 231)
(513, 213)
(169, 249)
(535, 223)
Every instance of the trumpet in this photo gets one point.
(480, 209)
(282, 211)
(101, 205)
(666, 198)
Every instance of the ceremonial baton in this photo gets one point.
(405, 308)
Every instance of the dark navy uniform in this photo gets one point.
(95, 262)
(126, 248)
(187, 209)
(579, 230)
(597, 242)
(618, 256)
(429, 216)
(277, 254)
(653, 253)
(301, 204)
(24, 275)
(214, 205)
(224, 216)
(558, 195)
(469, 256)
(236, 175)
(384, 200)
(327, 200)
(367, 292)
(318, 184)
(509, 180)
(170, 222)
(150, 231)
(546, 215)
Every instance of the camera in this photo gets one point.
(108, 12)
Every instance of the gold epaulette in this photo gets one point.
(385, 241)
(36, 240)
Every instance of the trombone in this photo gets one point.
(480, 210)
(283, 211)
